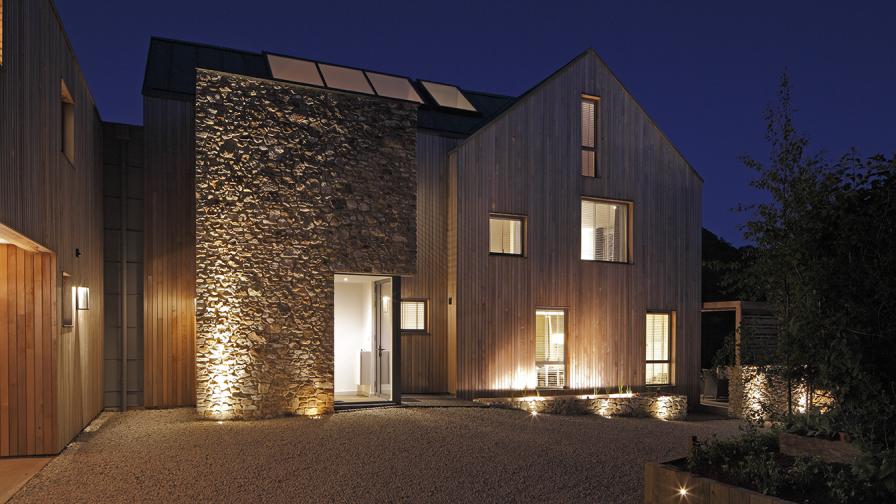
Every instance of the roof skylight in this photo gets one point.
(295, 70)
(448, 96)
(393, 87)
(347, 79)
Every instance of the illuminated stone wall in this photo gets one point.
(292, 185)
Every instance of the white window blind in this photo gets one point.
(604, 231)
(589, 130)
(413, 315)
(505, 235)
(550, 348)
(658, 352)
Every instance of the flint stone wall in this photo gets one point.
(292, 185)
(666, 407)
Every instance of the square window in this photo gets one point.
(413, 315)
(605, 230)
(505, 235)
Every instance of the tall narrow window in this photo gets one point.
(413, 315)
(550, 348)
(658, 361)
(67, 123)
(589, 135)
(505, 235)
(605, 230)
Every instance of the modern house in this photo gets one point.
(287, 236)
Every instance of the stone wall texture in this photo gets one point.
(663, 407)
(293, 184)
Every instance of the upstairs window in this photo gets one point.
(658, 361)
(505, 235)
(67, 123)
(589, 135)
(550, 348)
(413, 315)
(605, 235)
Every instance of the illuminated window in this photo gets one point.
(393, 87)
(293, 69)
(589, 136)
(550, 348)
(505, 235)
(347, 79)
(67, 124)
(413, 315)
(605, 230)
(448, 96)
(659, 342)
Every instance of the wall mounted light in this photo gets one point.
(83, 298)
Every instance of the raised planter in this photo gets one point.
(665, 484)
(839, 452)
(664, 407)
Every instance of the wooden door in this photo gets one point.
(27, 372)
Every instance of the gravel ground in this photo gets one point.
(379, 455)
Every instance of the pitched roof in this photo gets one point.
(171, 73)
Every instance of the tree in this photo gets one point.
(824, 256)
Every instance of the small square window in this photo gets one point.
(413, 315)
(505, 235)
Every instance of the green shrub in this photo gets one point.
(753, 461)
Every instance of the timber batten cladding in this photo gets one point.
(517, 156)
(527, 162)
(47, 199)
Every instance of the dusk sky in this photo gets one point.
(703, 70)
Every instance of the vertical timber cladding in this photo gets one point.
(528, 162)
(292, 185)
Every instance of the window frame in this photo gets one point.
(67, 123)
(583, 97)
(425, 329)
(523, 229)
(630, 230)
(566, 326)
(670, 340)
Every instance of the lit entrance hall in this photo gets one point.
(363, 350)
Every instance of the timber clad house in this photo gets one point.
(284, 236)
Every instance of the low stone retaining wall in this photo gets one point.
(664, 407)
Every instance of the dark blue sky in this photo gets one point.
(703, 70)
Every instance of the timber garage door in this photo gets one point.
(27, 374)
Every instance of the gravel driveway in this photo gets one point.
(380, 455)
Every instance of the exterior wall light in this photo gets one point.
(82, 300)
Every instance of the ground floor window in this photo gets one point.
(413, 315)
(550, 348)
(659, 353)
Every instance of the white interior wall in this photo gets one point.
(353, 331)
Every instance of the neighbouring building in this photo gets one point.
(287, 236)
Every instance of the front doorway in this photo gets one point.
(363, 329)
